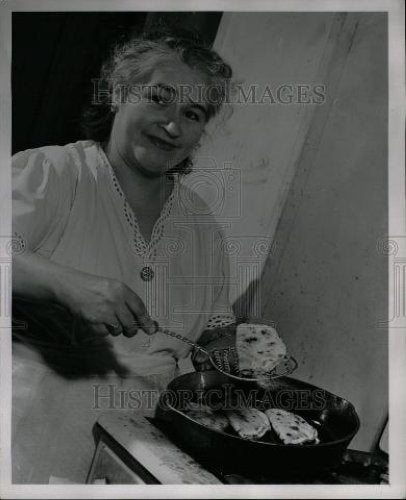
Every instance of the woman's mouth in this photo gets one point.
(161, 144)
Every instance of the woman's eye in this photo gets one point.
(194, 116)
(158, 99)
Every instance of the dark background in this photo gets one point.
(55, 55)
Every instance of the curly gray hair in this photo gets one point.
(135, 60)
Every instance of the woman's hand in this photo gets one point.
(107, 305)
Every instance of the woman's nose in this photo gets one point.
(172, 122)
(173, 128)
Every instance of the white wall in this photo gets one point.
(313, 181)
(327, 287)
(259, 144)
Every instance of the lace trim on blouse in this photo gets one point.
(139, 245)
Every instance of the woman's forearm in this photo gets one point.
(98, 300)
(37, 278)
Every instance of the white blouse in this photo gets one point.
(69, 207)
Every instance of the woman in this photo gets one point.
(113, 244)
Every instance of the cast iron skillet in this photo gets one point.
(335, 418)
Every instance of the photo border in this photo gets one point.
(397, 229)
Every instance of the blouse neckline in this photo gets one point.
(139, 244)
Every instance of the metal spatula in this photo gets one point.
(226, 361)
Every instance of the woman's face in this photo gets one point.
(162, 121)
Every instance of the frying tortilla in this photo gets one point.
(259, 348)
(249, 423)
(291, 428)
(199, 406)
(203, 414)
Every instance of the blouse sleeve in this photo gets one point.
(43, 185)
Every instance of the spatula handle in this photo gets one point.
(179, 337)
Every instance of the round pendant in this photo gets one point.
(146, 273)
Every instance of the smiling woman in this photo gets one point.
(163, 71)
(157, 133)
(111, 249)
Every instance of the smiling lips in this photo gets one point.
(161, 144)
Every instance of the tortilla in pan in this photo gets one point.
(291, 428)
(204, 415)
(249, 423)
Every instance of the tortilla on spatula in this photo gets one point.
(259, 348)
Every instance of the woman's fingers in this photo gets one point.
(114, 328)
(114, 305)
(128, 321)
(101, 329)
(139, 310)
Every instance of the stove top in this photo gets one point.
(144, 447)
(357, 467)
